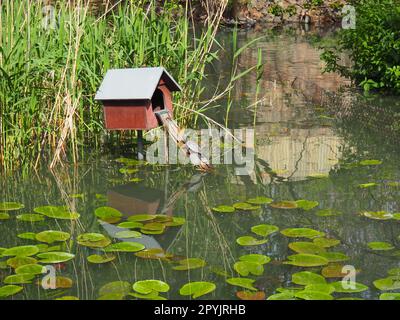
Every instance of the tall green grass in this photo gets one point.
(50, 70)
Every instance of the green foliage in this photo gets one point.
(373, 46)
(276, 10)
(48, 70)
(313, 3)
(291, 10)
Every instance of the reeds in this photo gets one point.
(52, 59)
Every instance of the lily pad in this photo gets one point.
(142, 217)
(115, 287)
(281, 296)
(306, 247)
(30, 217)
(190, 263)
(151, 296)
(27, 236)
(334, 256)
(60, 283)
(257, 258)
(223, 209)
(31, 269)
(244, 206)
(349, 287)
(108, 214)
(250, 241)
(60, 212)
(378, 215)
(302, 233)
(4, 216)
(176, 222)
(153, 228)
(149, 286)
(197, 289)
(55, 257)
(389, 283)
(51, 236)
(306, 277)
(244, 268)
(370, 162)
(381, 246)
(130, 225)
(9, 290)
(163, 218)
(128, 234)
(93, 240)
(306, 260)
(99, 259)
(387, 296)
(112, 297)
(367, 185)
(242, 282)
(394, 272)
(333, 271)
(20, 261)
(328, 213)
(247, 295)
(291, 290)
(19, 279)
(128, 170)
(153, 253)
(21, 251)
(124, 247)
(11, 206)
(326, 242)
(68, 298)
(264, 229)
(306, 204)
(259, 200)
(320, 287)
(284, 205)
(313, 295)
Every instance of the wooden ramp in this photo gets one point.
(190, 148)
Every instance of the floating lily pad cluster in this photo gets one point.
(310, 250)
(28, 263)
(390, 283)
(150, 289)
(251, 264)
(146, 223)
(251, 204)
(263, 230)
(380, 215)
(312, 253)
(313, 286)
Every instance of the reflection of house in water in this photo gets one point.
(130, 200)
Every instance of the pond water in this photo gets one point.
(312, 141)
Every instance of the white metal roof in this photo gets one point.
(134, 84)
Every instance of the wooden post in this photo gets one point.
(140, 145)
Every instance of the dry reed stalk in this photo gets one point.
(68, 126)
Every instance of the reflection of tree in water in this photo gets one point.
(370, 126)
